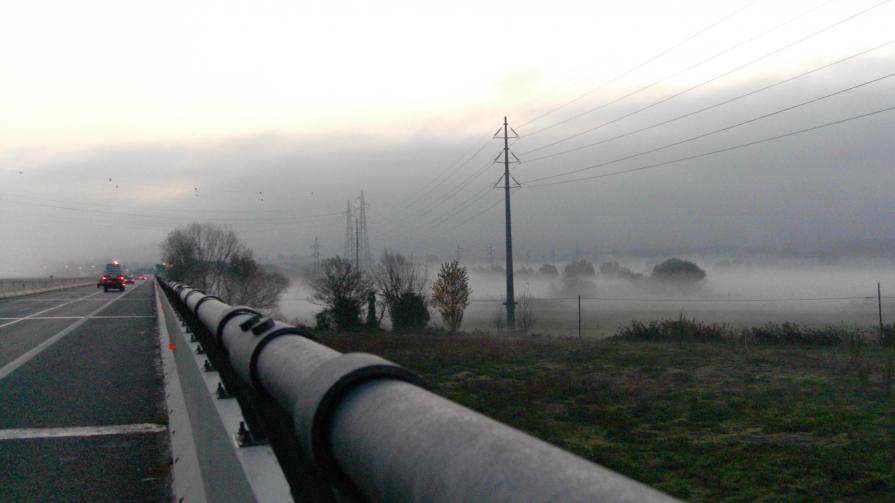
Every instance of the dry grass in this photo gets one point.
(704, 422)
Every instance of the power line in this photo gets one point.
(706, 300)
(141, 207)
(167, 217)
(710, 107)
(479, 213)
(718, 151)
(714, 132)
(454, 211)
(640, 65)
(687, 90)
(449, 171)
(454, 191)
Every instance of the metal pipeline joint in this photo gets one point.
(378, 435)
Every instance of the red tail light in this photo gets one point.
(121, 278)
(104, 277)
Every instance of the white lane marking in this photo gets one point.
(78, 317)
(18, 362)
(121, 317)
(46, 318)
(49, 309)
(81, 431)
(2, 301)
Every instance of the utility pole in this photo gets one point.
(364, 241)
(511, 298)
(459, 250)
(879, 305)
(348, 238)
(316, 248)
(356, 245)
(579, 317)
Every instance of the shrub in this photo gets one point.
(794, 334)
(580, 268)
(342, 289)
(681, 330)
(616, 270)
(450, 294)
(548, 270)
(679, 271)
(409, 312)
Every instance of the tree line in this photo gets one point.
(211, 258)
(395, 286)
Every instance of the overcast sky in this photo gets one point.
(121, 121)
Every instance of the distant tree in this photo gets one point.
(245, 282)
(577, 279)
(616, 270)
(578, 269)
(372, 322)
(198, 254)
(548, 270)
(678, 271)
(395, 276)
(342, 289)
(525, 271)
(409, 312)
(212, 259)
(450, 294)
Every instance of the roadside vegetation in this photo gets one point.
(211, 258)
(713, 420)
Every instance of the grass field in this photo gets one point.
(703, 422)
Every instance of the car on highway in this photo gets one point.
(113, 278)
(142, 277)
(129, 279)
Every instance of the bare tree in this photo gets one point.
(199, 254)
(450, 294)
(396, 276)
(525, 316)
(246, 282)
(212, 259)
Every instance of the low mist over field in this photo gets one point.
(741, 291)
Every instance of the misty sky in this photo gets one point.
(121, 121)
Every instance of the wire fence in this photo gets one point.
(601, 317)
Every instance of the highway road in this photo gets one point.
(82, 415)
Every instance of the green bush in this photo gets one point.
(409, 313)
(690, 330)
(798, 335)
(681, 330)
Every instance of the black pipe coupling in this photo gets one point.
(280, 329)
(228, 315)
(203, 299)
(321, 394)
(186, 296)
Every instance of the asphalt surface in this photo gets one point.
(101, 369)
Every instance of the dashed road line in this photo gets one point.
(50, 309)
(122, 317)
(80, 431)
(21, 360)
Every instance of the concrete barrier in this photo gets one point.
(17, 287)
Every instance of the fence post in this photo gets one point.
(879, 304)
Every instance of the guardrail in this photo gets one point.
(16, 287)
(357, 427)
